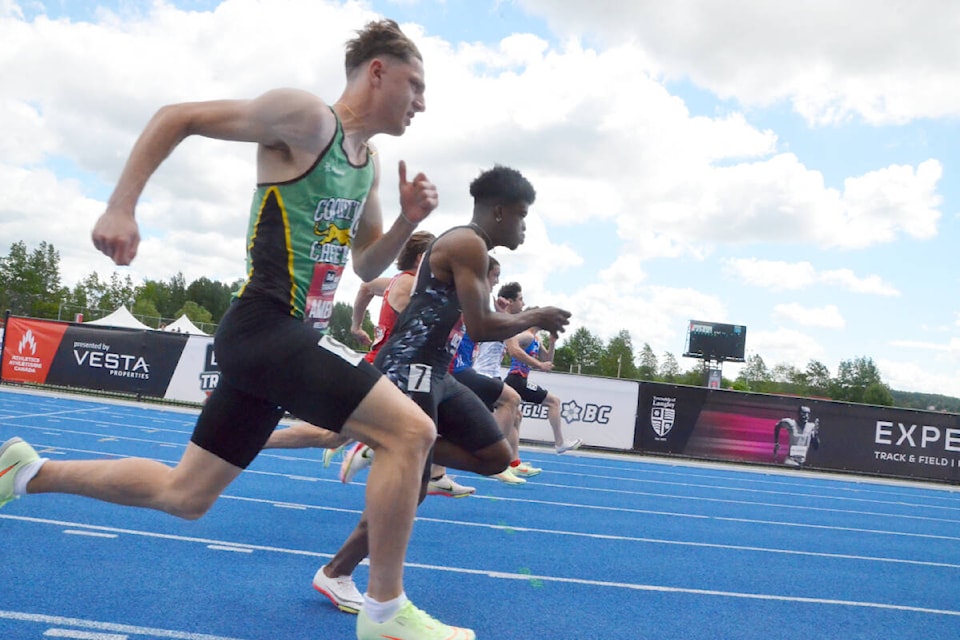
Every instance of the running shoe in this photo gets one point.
(355, 460)
(447, 486)
(14, 455)
(569, 445)
(525, 470)
(330, 454)
(507, 477)
(410, 623)
(341, 590)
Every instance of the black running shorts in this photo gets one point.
(462, 418)
(528, 391)
(269, 362)
(487, 388)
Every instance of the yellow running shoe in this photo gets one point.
(410, 623)
(507, 477)
(525, 470)
(330, 454)
(14, 455)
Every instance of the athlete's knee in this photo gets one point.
(552, 401)
(510, 398)
(495, 459)
(189, 506)
(187, 496)
(414, 432)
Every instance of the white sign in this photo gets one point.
(602, 411)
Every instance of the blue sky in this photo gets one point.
(791, 167)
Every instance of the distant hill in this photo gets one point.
(926, 401)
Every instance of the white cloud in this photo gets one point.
(908, 375)
(831, 60)
(772, 274)
(880, 203)
(779, 200)
(653, 314)
(785, 346)
(846, 279)
(611, 151)
(570, 122)
(828, 317)
(777, 275)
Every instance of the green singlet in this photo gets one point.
(300, 233)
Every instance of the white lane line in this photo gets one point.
(225, 547)
(112, 627)
(810, 493)
(595, 536)
(65, 412)
(711, 592)
(83, 635)
(707, 545)
(749, 503)
(92, 534)
(288, 505)
(775, 523)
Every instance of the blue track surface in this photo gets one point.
(595, 547)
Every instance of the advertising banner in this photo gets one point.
(798, 432)
(28, 349)
(696, 422)
(197, 372)
(116, 359)
(602, 411)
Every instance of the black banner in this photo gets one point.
(115, 359)
(798, 432)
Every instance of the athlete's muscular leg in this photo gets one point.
(187, 490)
(553, 417)
(401, 435)
(303, 435)
(506, 413)
(486, 462)
(356, 547)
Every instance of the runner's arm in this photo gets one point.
(285, 122)
(372, 249)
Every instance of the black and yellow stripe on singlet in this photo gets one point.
(298, 224)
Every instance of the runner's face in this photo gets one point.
(514, 226)
(493, 277)
(403, 86)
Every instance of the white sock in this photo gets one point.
(24, 475)
(380, 612)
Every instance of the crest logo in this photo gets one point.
(662, 414)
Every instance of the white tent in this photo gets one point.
(120, 318)
(183, 325)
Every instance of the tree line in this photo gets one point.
(31, 285)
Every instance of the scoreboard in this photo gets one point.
(716, 341)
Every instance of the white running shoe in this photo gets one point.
(447, 486)
(357, 458)
(569, 445)
(341, 591)
(506, 476)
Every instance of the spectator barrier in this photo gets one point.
(622, 415)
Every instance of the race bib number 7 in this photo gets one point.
(419, 378)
